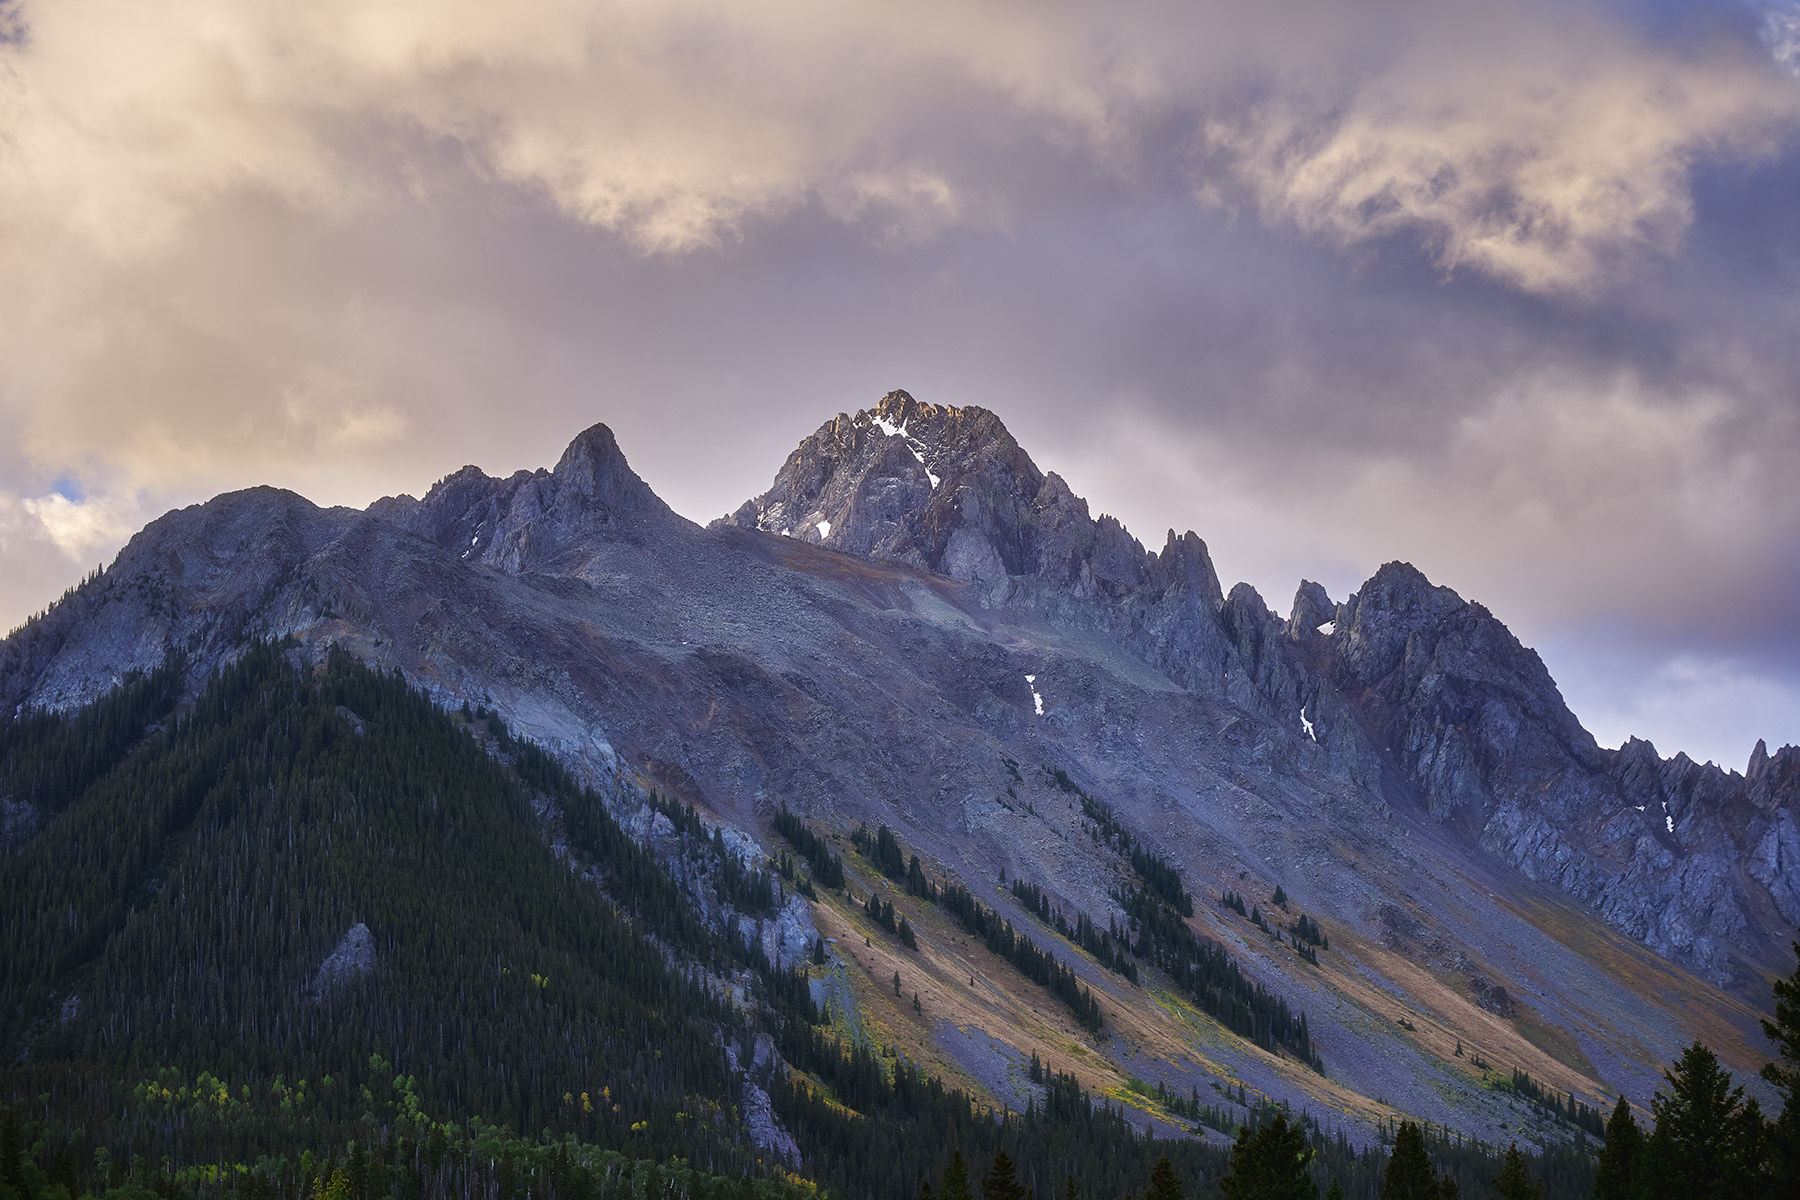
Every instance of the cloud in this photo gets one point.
(81, 529)
(1559, 498)
(1544, 152)
(1780, 32)
(1436, 300)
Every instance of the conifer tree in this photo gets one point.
(1698, 1148)
(1002, 1182)
(955, 1184)
(1163, 1184)
(1409, 1174)
(1270, 1164)
(1513, 1183)
(1619, 1158)
(1784, 1134)
(12, 1155)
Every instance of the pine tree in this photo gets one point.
(1697, 1151)
(1513, 1183)
(1163, 1184)
(1336, 1192)
(955, 1184)
(1409, 1174)
(12, 1154)
(1784, 1135)
(1002, 1182)
(1619, 1158)
(1270, 1164)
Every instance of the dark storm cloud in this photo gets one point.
(1505, 290)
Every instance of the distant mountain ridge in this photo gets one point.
(916, 626)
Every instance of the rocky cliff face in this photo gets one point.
(1681, 856)
(1412, 692)
(946, 489)
(914, 621)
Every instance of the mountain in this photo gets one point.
(916, 628)
(1422, 698)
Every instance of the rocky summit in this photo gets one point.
(1378, 807)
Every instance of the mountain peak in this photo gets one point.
(946, 489)
(530, 518)
(593, 470)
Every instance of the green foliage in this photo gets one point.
(1514, 1182)
(1270, 1163)
(194, 887)
(1307, 930)
(1614, 1178)
(1157, 874)
(1568, 1108)
(827, 868)
(1107, 947)
(1784, 1073)
(1163, 1184)
(1002, 1182)
(998, 934)
(1409, 1175)
(1201, 968)
(955, 1184)
(882, 849)
(1707, 1141)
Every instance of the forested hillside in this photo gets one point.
(310, 935)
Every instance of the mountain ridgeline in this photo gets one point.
(530, 810)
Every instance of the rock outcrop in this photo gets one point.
(353, 958)
(946, 489)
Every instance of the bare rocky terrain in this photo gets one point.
(917, 627)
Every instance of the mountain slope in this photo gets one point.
(967, 656)
(314, 929)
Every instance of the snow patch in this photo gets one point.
(1669, 821)
(912, 443)
(824, 530)
(1307, 725)
(475, 541)
(1036, 700)
(1328, 628)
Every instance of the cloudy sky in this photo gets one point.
(1507, 290)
